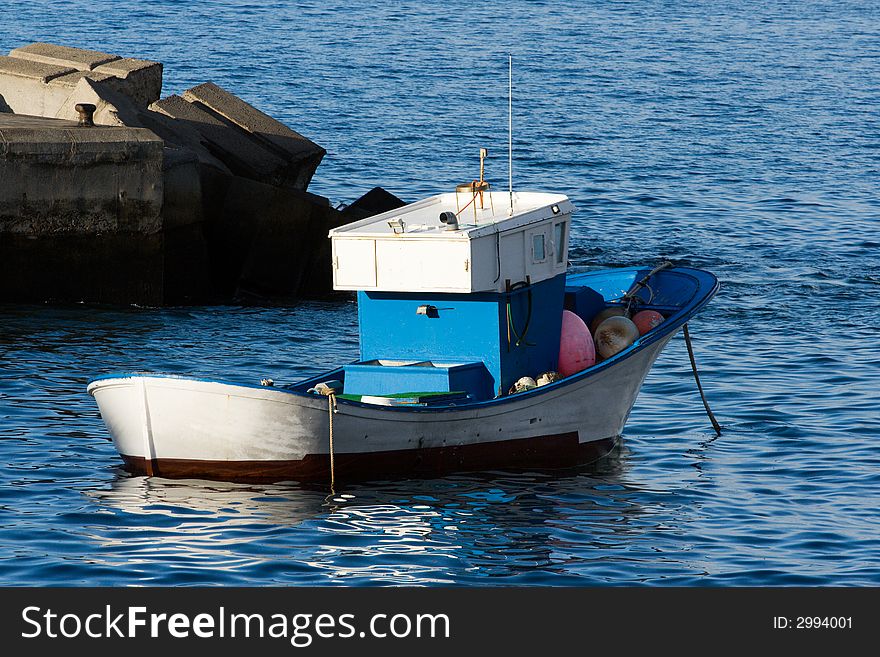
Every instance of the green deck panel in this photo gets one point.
(406, 395)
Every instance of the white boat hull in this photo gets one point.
(182, 427)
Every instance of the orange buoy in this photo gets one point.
(645, 320)
(614, 335)
(576, 349)
(602, 315)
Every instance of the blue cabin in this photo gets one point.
(458, 295)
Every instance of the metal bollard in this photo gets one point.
(86, 114)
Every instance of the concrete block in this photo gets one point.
(110, 268)
(65, 56)
(13, 122)
(317, 279)
(59, 178)
(302, 155)
(263, 237)
(24, 96)
(62, 94)
(186, 259)
(70, 80)
(23, 86)
(180, 135)
(116, 99)
(127, 66)
(46, 89)
(277, 256)
(142, 79)
(186, 266)
(182, 201)
(234, 147)
(292, 144)
(113, 108)
(37, 71)
(375, 201)
(80, 212)
(176, 189)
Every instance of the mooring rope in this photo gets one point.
(631, 297)
(687, 341)
(331, 407)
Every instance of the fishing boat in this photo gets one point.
(461, 305)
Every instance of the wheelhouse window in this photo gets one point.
(559, 239)
(539, 252)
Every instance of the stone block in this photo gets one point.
(234, 147)
(46, 90)
(317, 279)
(376, 201)
(41, 78)
(179, 200)
(179, 135)
(263, 238)
(186, 266)
(141, 80)
(80, 212)
(49, 53)
(300, 153)
(113, 108)
(23, 86)
(37, 71)
(291, 144)
(182, 202)
(110, 268)
(186, 259)
(59, 178)
(72, 79)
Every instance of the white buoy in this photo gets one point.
(523, 384)
(614, 335)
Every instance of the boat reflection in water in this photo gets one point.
(454, 530)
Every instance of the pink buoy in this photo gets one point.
(576, 349)
(645, 320)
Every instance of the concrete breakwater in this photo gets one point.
(110, 193)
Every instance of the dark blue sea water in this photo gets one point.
(740, 137)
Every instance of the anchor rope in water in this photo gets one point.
(631, 297)
(687, 341)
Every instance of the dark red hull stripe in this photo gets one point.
(555, 451)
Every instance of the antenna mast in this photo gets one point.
(510, 128)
